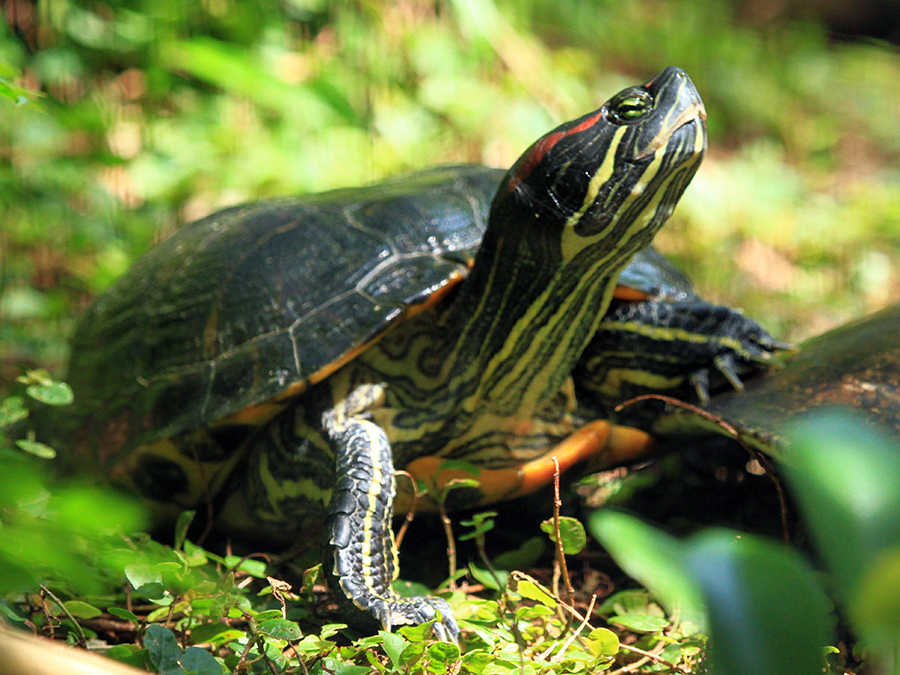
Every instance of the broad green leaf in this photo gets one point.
(36, 448)
(130, 654)
(197, 661)
(765, 610)
(334, 667)
(52, 393)
(876, 605)
(394, 645)
(653, 558)
(488, 579)
(163, 649)
(443, 653)
(255, 568)
(477, 660)
(81, 610)
(529, 589)
(280, 629)
(214, 633)
(141, 573)
(603, 642)
(124, 614)
(571, 531)
(845, 473)
(640, 622)
(267, 614)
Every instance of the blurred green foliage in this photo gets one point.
(158, 112)
(762, 604)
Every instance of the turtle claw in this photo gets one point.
(699, 379)
(727, 365)
(397, 611)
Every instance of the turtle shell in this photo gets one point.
(236, 313)
(250, 305)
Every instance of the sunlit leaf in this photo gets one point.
(81, 610)
(280, 629)
(54, 393)
(603, 642)
(36, 448)
(571, 531)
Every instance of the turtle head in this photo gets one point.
(603, 184)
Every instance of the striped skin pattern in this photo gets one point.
(485, 375)
(680, 348)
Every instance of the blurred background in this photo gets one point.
(157, 112)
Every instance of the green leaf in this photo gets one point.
(35, 448)
(12, 410)
(163, 649)
(255, 568)
(653, 558)
(876, 605)
(482, 524)
(640, 622)
(394, 645)
(766, 612)
(124, 614)
(267, 614)
(845, 473)
(197, 661)
(533, 591)
(476, 661)
(81, 610)
(130, 654)
(334, 667)
(603, 642)
(51, 393)
(185, 518)
(571, 531)
(280, 629)
(523, 557)
(443, 654)
(141, 574)
(215, 634)
(487, 578)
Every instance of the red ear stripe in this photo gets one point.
(542, 147)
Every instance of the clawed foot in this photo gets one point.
(399, 611)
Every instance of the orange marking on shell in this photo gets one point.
(297, 388)
(255, 415)
(542, 147)
(629, 294)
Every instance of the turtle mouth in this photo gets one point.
(691, 113)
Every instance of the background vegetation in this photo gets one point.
(156, 112)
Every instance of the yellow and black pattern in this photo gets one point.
(485, 376)
(359, 555)
(281, 359)
(685, 348)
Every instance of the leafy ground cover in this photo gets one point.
(153, 113)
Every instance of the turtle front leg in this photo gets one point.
(359, 553)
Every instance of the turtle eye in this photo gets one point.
(630, 106)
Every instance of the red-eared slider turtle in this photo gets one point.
(280, 360)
